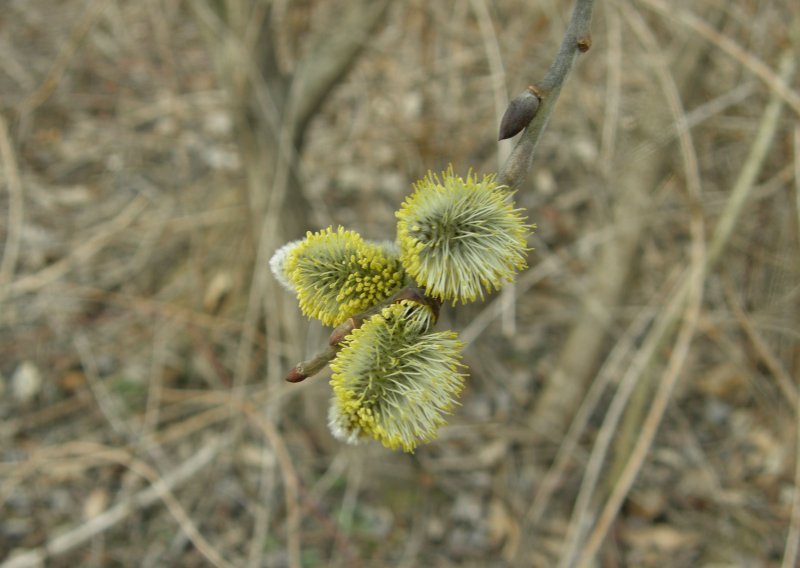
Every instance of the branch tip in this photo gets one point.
(296, 376)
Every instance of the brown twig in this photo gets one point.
(91, 246)
(312, 366)
(790, 551)
(15, 208)
(291, 483)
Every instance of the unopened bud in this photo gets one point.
(519, 113)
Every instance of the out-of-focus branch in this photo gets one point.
(272, 105)
(332, 57)
(577, 39)
(10, 252)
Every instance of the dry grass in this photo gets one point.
(634, 398)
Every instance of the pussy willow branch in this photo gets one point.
(577, 40)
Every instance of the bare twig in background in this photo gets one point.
(289, 479)
(611, 369)
(333, 55)
(744, 183)
(772, 80)
(580, 516)
(581, 520)
(494, 57)
(500, 97)
(81, 253)
(764, 352)
(15, 208)
(93, 10)
(628, 192)
(792, 548)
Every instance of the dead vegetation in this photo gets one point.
(633, 398)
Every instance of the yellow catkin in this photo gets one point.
(461, 238)
(336, 274)
(394, 381)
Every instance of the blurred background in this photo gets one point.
(633, 398)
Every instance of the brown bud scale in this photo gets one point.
(519, 113)
(295, 376)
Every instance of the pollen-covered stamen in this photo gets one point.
(336, 274)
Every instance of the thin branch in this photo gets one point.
(91, 246)
(290, 481)
(577, 39)
(790, 551)
(744, 184)
(312, 366)
(497, 75)
(15, 208)
(90, 15)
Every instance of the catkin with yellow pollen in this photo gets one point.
(394, 380)
(460, 238)
(336, 274)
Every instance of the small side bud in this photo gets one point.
(584, 43)
(519, 113)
